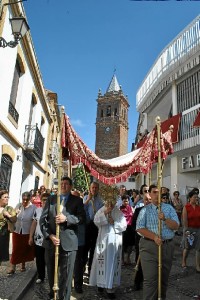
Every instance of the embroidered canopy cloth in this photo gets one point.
(117, 169)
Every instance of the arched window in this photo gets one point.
(36, 186)
(108, 111)
(5, 171)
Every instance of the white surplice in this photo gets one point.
(106, 265)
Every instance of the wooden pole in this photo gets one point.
(159, 175)
(86, 178)
(55, 287)
(69, 167)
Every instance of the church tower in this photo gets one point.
(112, 122)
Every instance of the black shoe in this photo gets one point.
(100, 289)
(111, 295)
(78, 289)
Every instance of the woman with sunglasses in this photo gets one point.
(22, 251)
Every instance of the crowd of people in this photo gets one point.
(98, 235)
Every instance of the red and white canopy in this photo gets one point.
(118, 169)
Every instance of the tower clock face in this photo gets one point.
(107, 129)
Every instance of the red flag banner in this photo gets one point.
(175, 121)
(197, 120)
(165, 126)
(120, 168)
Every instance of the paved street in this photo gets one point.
(183, 285)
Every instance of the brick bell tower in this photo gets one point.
(112, 122)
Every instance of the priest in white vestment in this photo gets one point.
(106, 265)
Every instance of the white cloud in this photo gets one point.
(78, 123)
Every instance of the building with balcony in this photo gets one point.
(171, 87)
(29, 115)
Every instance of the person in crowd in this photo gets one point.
(54, 191)
(138, 279)
(196, 190)
(106, 266)
(21, 250)
(92, 203)
(143, 190)
(191, 229)
(147, 226)
(122, 191)
(178, 205)
(165, 198)
(36, 199)
(72, 213)
(48, 191)
(79, 263)
(165, 190)
(7, 219)
(128, 234)
(42, 189)
(36, 238)
(32, 192)
(135, 197)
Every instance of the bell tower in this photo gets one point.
(112, 122)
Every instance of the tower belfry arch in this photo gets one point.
(112, 122)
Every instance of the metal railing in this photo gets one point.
(33, 143)
(189, 136)
(13, 112)
(186, 43)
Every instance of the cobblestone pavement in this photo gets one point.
(183, 285)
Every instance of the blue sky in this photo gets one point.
(79, 43)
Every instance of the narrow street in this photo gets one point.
(183, 285)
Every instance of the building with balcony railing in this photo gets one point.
(171, 87)
(28, 121)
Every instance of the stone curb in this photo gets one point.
(21, 290)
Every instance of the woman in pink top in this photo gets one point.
(128, 234)
(36, 199)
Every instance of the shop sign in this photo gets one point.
(190, 162)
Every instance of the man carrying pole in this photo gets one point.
(147, 227)
(71, 213)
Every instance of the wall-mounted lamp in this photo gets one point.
(19, 29)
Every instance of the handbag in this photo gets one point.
(11, 224)
(190, 239)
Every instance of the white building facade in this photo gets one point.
(25, 115)
(171, 87)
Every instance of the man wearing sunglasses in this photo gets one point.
(147, 227)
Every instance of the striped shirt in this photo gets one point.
(148, 218)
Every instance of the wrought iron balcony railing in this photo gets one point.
(33, 143)
(13, 112)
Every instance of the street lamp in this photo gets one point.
(19, 28)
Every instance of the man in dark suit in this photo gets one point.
(72, 213)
